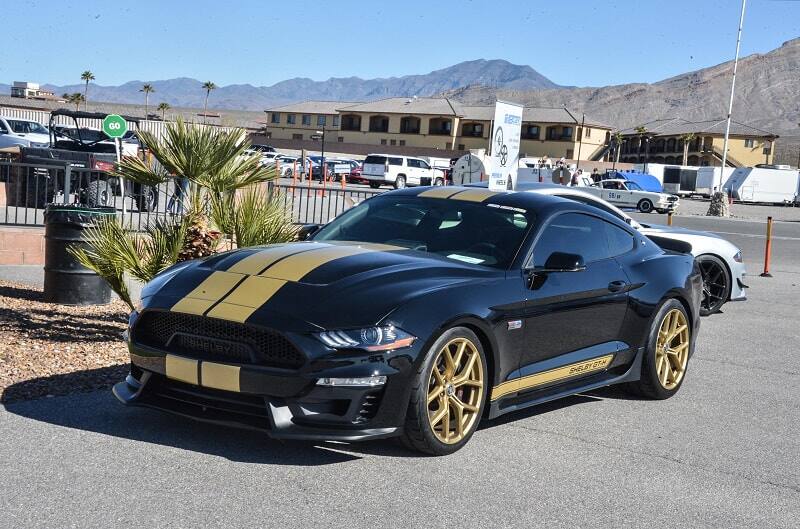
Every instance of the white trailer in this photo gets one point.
(709, 177)
(758, 184)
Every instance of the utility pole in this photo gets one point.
(580, 141)
(730, 103)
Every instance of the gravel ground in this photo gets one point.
(48, 349)
(759, 212)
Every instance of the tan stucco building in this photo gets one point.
(436, 123)
(664, 141)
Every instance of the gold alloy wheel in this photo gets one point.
(455, 390)
(672, 349)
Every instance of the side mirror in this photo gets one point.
(307, 230)
(561, 262)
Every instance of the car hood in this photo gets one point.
(34, 138)
(307, 285)
(665, 230)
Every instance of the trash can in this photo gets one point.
(66, 281)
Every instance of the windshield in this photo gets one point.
(27, 127)
(463, 231)
(633, 186)
(377, 160)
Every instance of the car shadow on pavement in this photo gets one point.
(100, 412)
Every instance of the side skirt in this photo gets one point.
(516, 402)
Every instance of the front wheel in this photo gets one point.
(448, 394)
(645, 206)
(716, 283)
(667, 354)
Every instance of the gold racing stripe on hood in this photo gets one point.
(246, 298)
(208, 292)
(474, 195)
(260, 260)
(294, 267)
(441, 192)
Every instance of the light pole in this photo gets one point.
(580, 141)
(322, 157)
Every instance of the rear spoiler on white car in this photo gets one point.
(673, 245)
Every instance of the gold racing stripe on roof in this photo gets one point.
(441, 192)
(246, 298)
(260, 260)
(560, 373)
(474, 195)
(208, 292)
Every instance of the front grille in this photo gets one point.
(212, 339)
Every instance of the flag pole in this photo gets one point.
(730, 103)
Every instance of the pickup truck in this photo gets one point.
(22, 133)
(400, 171)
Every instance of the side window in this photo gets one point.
(619, 240)
(395, 161)
(413, 163)
(423, 164)
(580, 234)
(3, 128)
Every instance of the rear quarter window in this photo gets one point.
(395, 161)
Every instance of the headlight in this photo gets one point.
(738, 257)
(370, 338)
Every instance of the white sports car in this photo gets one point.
(720, 261)
(628, 194)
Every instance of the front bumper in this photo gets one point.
(738, 286)
(286, 404)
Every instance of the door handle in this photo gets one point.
(616, 286)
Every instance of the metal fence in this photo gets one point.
(26, 188)
(318, 204)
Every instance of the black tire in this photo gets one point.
(649, 385)
(418, 433)
(716, 283)
(400, 182)
(147, 199)
(661, 211)
(438, 182)
(645, 206)
(374, 185)
(99, 193)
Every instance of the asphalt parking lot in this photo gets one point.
(722, 453)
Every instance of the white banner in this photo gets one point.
(505, 145)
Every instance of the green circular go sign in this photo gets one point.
(115, 126)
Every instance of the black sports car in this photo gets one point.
(415, 314)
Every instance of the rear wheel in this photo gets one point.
(99, 193)
(448, 395)
(667, 354)
(645, 206)
(716, 283)
(374, 185)
(438, 182)
(147, 200)
(400, 182)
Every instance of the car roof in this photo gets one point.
(527, 201)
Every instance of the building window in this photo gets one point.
(268, 134)
(474, 130)
(552, 133)
(321, 121)
(566, 133)
(340, 139)
(383, 142)
(291, 119)
(767, 148)
(306, 119)
(351, 122)
(402, 143)
(530, 132)
(276, 117)
(392, 142)
(378, 124)
(409, 125)
(570, 154)
(297, 136)
(335, 121)
(588, 132)
(750, 142)
(461, 147)
(440, 126)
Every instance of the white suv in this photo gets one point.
(399, 171)
(23, 133)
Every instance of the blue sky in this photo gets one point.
(583, 43)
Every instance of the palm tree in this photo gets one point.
(75, 99)
(163, 107)
(618, 142)
(148, 89)
(687, 138)
(208, 86)
(86, 76)
(641, 131)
